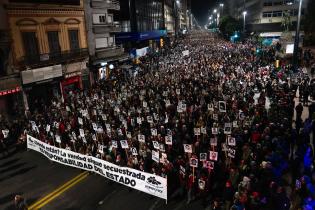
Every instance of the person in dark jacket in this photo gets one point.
(20, 203)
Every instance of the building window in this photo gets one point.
(74, 39)
(267, 4)
(267, 14)
(2, 66)
(101, 42)
(30, 45)
(53, 41)
(277, 14)
(102, 18)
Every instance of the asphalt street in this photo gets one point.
(33, 176)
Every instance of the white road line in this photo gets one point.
(107, 196)
(155, 204)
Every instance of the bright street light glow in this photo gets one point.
(177, 1)
(221, 5)
(215, 11)
(244, 13)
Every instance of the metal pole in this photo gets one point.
(297, 39)
(244, 17)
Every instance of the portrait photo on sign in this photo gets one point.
(231, 141)
(222, 106)
(203, 156)
(194, 162)
(213, 141)
(227, 130)
(188, 148)
(124, 144)
(213, 155)
(168, 140)
(214, 131)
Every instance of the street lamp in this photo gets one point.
(297, 39)
(215, 11)
(244, 18)
(221, 8)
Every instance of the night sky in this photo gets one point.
(200, 9)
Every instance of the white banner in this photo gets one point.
(145, 182)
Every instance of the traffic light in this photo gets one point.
(161, 42)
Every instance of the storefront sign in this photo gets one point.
(41, 74)
(10, 91)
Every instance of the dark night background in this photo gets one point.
(200, 9)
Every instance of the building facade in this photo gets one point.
(101, 28)
(49, 47)
(266, 15)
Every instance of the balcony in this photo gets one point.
(106, 28)
(42, 60)
(106, 4)
(109, 52)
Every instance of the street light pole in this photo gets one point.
(244, 23)
(297, 39)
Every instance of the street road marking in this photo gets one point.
(58, 191)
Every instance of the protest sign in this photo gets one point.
(188, 148)
(222, 106)
(197, 131)
(154, 132)
(156, 156)
(114, 144)
(142, 181)
(213, 155)
(213, 141)
(5, 133)
(134, 151)
(124, 144)
(168, 140)
(203, 156)
(231, 141)
(141, 138)
(194, 162)
(156, 145)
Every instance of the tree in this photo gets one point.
(228, 25)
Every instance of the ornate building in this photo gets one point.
(49, 46)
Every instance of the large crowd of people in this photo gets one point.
(214, 117)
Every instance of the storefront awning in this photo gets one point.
(121, 58)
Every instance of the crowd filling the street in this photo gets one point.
(215, 118)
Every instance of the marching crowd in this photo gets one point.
(213, 117)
